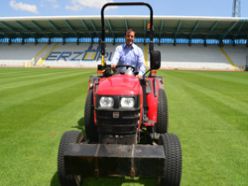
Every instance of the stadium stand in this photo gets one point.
(201, 58)
(16, 55)
(200, 43)
(87, 55)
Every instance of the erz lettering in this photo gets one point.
(66, 56)
(89, 55)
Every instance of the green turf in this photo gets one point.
(207, 110)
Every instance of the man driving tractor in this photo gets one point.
(129, 54)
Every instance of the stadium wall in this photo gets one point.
(196, 57)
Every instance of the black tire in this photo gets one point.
(90, 128)
(173, 162)
(67, 180)
(162, 117)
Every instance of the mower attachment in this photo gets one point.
(114, 160)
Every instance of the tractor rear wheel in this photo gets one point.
(67, 180)
(173, 161)
(162, 124)
(90, 128)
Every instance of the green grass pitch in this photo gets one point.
(207, 110)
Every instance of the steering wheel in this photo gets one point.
(127, 66)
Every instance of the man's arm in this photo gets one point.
(141, 63)
(116, 57)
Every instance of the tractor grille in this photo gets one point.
(117, 122)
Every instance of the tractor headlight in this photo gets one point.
(127, 102)
(106, 102)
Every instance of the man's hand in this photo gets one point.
(113, 66)
(139, 76)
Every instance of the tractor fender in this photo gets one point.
(154, 84)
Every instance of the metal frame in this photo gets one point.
(125, 4)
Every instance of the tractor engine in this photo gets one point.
(118, 110)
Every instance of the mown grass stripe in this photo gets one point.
(28, 95)
(30, 75)
(21, 82)
(229, 78)
(12, 88)
(229, 101)
(7, 73)
(224, 86)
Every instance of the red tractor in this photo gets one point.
(125, 124)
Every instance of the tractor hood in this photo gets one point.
(119, 85)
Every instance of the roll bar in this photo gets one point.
(151, 45)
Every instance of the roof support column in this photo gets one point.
(91, 41)
(77, 40)
(190, 42)
(175, 42)
(10, 41)
(205, 42)
(114, 41)
(63, 40)
(221, 44)
(233, 42)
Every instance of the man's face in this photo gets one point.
(130, 38)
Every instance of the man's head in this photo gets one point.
(130, 35)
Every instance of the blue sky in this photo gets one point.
(216, 8)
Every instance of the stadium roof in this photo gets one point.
(90, 26)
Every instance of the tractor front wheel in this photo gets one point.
(173, 161)
(67, 180)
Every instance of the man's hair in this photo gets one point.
(129, 30)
